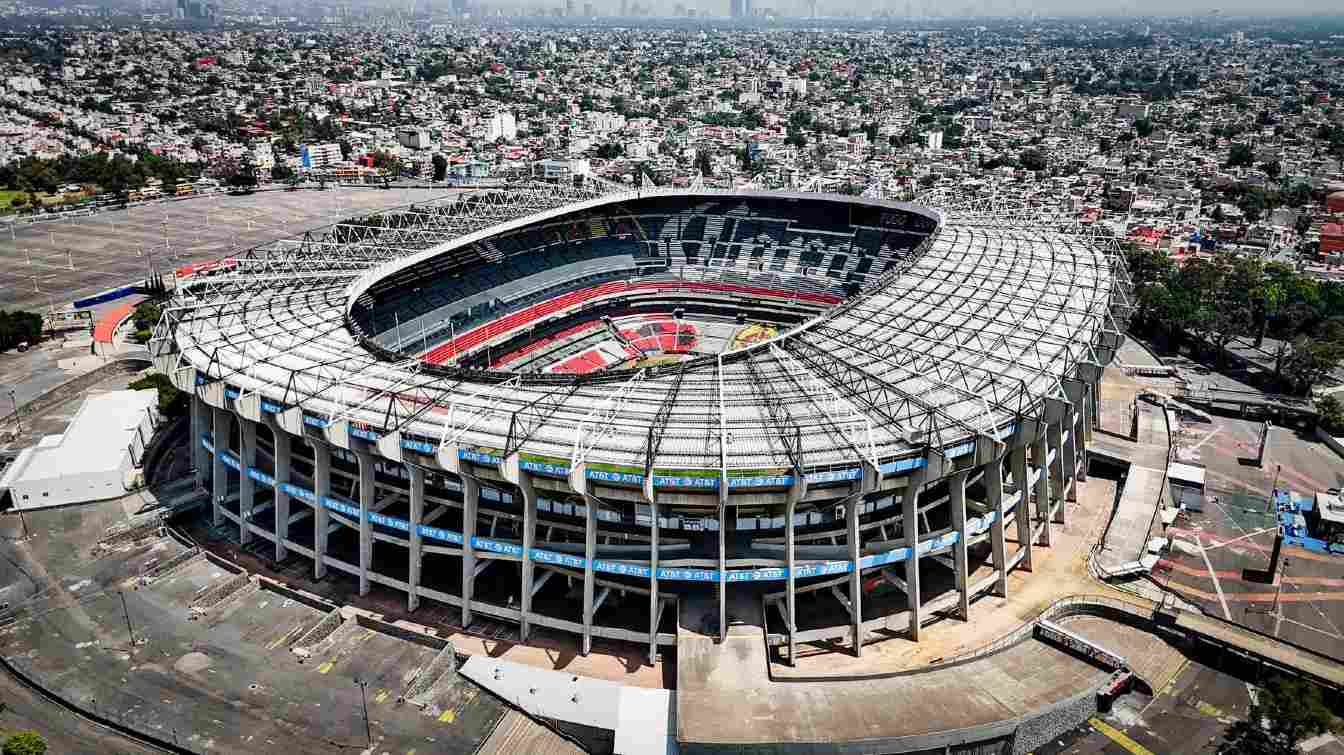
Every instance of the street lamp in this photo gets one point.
(364, 701)
(17, 418)
(126, 612)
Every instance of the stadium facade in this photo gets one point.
(568, 407)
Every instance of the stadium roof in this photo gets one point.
(970, 337)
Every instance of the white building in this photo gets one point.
(263, 156)
(554, 170)
(97, 457)
(24, 84)
(503, 125)
(934, 141)
(413, 137)
(321, 155)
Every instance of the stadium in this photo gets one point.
(576, 408)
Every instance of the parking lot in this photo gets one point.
(54, 263)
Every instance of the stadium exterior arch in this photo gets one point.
(928, 396)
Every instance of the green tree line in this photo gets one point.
(113, 174)
(1206, 303)
(17, 327)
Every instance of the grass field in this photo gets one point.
(7, 196)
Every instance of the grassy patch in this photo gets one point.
(7, 196)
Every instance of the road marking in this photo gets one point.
(1211, 711)
(325, 667)
(1119, 737)
(1217, 429)
(281, 639)
(447, 717)
(1218, 586)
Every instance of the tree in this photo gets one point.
(1330, 414)
(702, 163)
(145, 317)
(25, 743)
(1144, 128)
(1311, 358)
(19, 327)
(1032, 159)
(440, 166)
(1286, 712)
(172, 402)
(1240, 155)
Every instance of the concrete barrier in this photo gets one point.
(319, 633)
(400, 632)
(215, 595)
(226, 565)
(298, 596)
(420, 691)
(131, 535)
(164, 568)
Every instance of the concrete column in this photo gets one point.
(1070, 453)
(855, 577)
(1039, 461)
(910, 523)
(529, 541)
(366, 490)
(790, 594)
(471, 499)
(653, 581)
(993, 481)
(1093, 412)
(1083, 436)
(723, 565)
(1058, 473)
(956, 489)
(247, 487)
(1022, 512)
(417, 486)
(321, 516)
(200, 423)
(219, 472)
(589, 553)
(282, 445)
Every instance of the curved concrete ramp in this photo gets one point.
(726, 701)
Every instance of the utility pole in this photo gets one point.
(1278, 593)
(1274, 491)
(126, 612)
(17, 418)
(364, 700)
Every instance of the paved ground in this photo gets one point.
(38, 370)
(53, 263)
(1190, 715)
(65, 732)
(1218, 556)
(226, 682)
(54, 418)
(614, 661)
